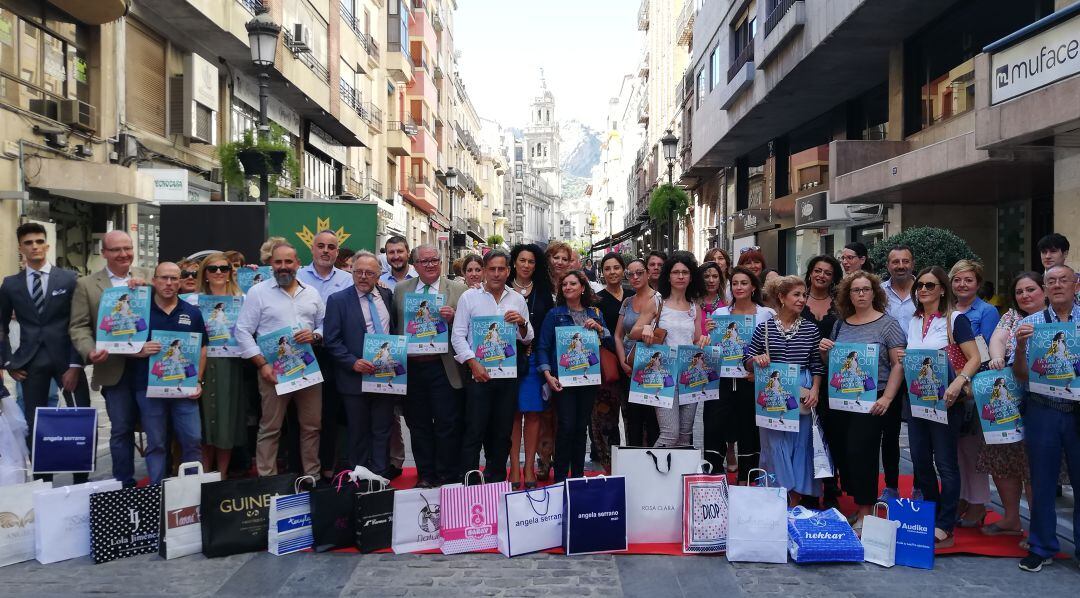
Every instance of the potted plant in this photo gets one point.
(668, 199)
(254, 156)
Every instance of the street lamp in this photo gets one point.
(610, 215)
(670, 144)
(451, 176)
(263, 38)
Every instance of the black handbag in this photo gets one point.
(125, 523)
(332, 520)
(374, 517)
(236, 513)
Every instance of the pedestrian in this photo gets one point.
(575, 306)
(529, 277)
(560, 258)
(722, 259)
(1051, 425)
(235, 258)
(654, 263)
(344, 259)
(351, 314)
(280, 302)
(397, 257)
(753, 260)
(611, 396)
(472, 267)
(117, 382)
(860, 304)
(434, 398)
(677, 312)
(40, 299)
(901, 306)
(189, 277)
(855, 257)
(789, 338)
(932, 444)
(489, 403)
(640, 422)
(823, 274)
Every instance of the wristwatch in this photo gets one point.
(965, 376)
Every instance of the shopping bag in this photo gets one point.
(654, 489)
(595, 515)
(62, 520)
(705, 512)
(531, 520)
(823, 463)
(373, 510)
(65, 439)
(879, 538)
(333, 523)
(869, 383)
(757, 522)
(915, 533)
(821, 537)
(236, 513)
(416, 520)
(14, 456)
(836, 381)
(181, 527)
(17, 521)
(290, 521)
(470, 515)
(125, 523)
(158, 369)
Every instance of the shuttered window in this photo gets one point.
(145, 79)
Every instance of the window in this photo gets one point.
(742, 36)
(144, 62)
(319, 175)
(715, 68)
(37, 60)
(702, 85)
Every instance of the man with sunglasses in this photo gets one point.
(189, 277)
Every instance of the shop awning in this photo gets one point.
(476, 236)
(97, 12)
(94, 182)
(623, 235)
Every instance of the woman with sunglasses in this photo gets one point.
(610, 396)
(822, 275)
(934, 446)
(189, 277)
(639, 420)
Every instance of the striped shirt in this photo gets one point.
(801, 349)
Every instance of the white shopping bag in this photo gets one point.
(62, 520)
(823, 463)
(13, 454)
(416, 520)
(531, 520)
(757, 523)
(289, 521)
(17, 521)
(879, 538)
(654, 490)
(181, 530)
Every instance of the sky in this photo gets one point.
(584, 46)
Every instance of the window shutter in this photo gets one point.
(145, 79)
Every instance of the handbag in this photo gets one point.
(440, 326)
(416, 520)
(593, 359)
(62, 520)
(125, 523)
(835, 381)
(957, 359)
(508, 350)
(140, 324)
(531, 520)
(879, 538)
(106, 324)
(914, 532)
(189, 370)
(1039, 366)
(595, 515)
(308, 358)
(290, 521)
(181, 528)
(822, 537)
(654, 489)
(823, 462)
(158, 369)
(869, 383)
(374, 514)
(757, 522)
(18, 529)
(713, 376)
(610, 371)
(399, 369)
(411, 327)
(564, 360)
(236, 513)
(470, 515)
(668, 381)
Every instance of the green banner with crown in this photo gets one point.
(298, 221)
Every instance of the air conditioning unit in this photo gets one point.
(127, 148)
(193, 101)
(78, 115)
(306, 193)
(301, 38)
(46, 108)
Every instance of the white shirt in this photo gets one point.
(118, 281)
(268, 307)
(44, 278)
(478, 303)
(391, 282)
(902, 310)
(937, 335)
(380, 307)
(763, 313)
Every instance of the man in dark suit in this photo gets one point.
(40, 298)
(351, 314)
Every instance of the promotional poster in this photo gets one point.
(219, 313)
(695, 370)
(294, 364)
(730, 337)
(122, 317)
(1053, 360)
(425, 329)
(997, 398)
(777, 391)
(578, 351)
(853, 369)
(247, 278)
(927, 374)
(388, 354)
(653, 379)
(174, 370)
(494, 340)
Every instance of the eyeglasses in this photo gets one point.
(848, 258)
(428, 262)
(750, 248)
(635, 273)
(926, 285)
(865, 290)
(365, 274)
(216, 269)
(189, 273)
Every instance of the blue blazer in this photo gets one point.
(344, 329)
(560, 316)
(47, 331)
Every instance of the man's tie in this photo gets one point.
(38, 295)
(427, 289)
(376, 321)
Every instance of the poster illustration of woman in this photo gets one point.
(385, 364)
(852, 376)
(122, 318)
(217, 324)
(927, 386)
(577, 354)
(1003, 408)
(288, 360)
(1059, 362)
(731, 344)
(774, 397)
(424, 321)
(493, 348)
(174, 364)
(697, 373)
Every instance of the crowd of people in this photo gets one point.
(455, 412)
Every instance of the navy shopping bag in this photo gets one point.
(915, 536)
(65, 439)
(594, 515)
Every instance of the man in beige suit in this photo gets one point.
(110, 374)
(433, 404)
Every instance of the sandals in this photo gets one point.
(996, 530)
(943, 539)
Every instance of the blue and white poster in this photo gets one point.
(494, 340)
(388, 354)
(927, 374)
(776, 397)
(730, 337)
(997, 398)
(174, 370)
(425, 329)
(695, 371)
(578, 351)
(653, 379)
(219, 313)
(294, 363)
(1054, 359)
(853, 369)
(249, 277)
(122, 317)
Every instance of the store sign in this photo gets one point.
(811, 208)
(246, 90)
(1036, 62)
(325, 143)
(170, 184)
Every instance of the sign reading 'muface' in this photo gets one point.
(1036, 62)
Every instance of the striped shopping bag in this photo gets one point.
(470, 515)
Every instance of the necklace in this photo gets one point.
(787, 333)
(523, 289)
(825, 298)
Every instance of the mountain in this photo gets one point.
(580, 150)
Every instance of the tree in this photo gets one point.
(931, 246)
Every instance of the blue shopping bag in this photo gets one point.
(65, 439)
(915, 536)
(594, 515)
(822, 537)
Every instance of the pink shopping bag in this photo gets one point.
(470, 515)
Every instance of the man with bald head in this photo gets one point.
(111, 375)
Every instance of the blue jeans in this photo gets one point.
(122, 404)
(157, 413)
(1049, 433)
(933, 454)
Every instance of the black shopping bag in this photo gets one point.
(374, 517)
(236, 513)
(124, 522)
(333, 524)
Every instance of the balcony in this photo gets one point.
(355, 188)
(350, 98)
(740, 77)
(252, 6)
(684, 25)
(423, 144)
(372, 115)
(746, 55)
(643, 16)
(398, 142)
(786, 19)
(643, 68)
(365, 39)
(436, 22)
(643, 112)
(374, 189)
(422, 27)
(305, 57)
(423, 86)
(398, 63)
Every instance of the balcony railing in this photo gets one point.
(305, 57)
(407, 126)
(375, 188)
(350, 98)
(745, 55)
(355, 188)
(354, 24)
(684, 25)
(778, 12)
(252, 6)
(372, 114)
(643, 16)
(403, 50)
(436, 21)
(410, 185)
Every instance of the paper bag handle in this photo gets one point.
(656, 462)
(764, 476)
(197, 466)
(546, 502)
(884, 505)
(477, 472)
(296, 484)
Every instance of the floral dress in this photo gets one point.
(1005, 460)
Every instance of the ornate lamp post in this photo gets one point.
(670, 144)
(263, 38)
